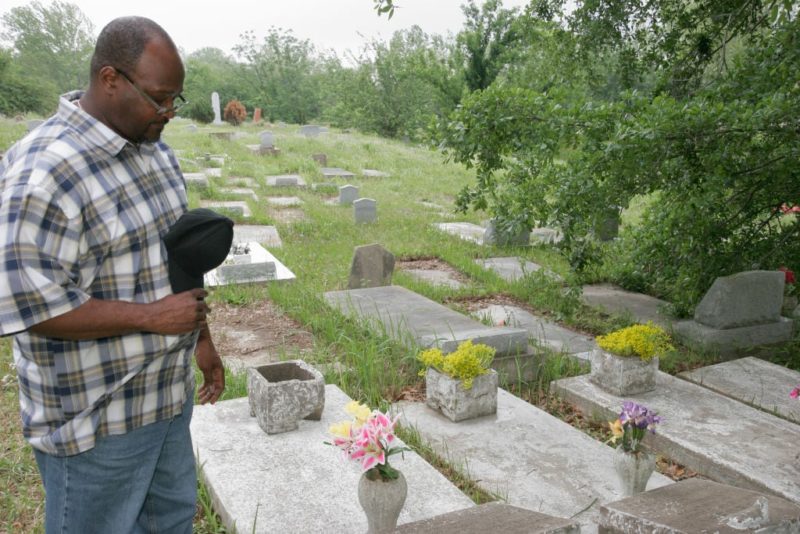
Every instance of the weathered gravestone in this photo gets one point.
(196, 179)
(372, 266)
(321, 159)
(347, 194)
(267, 139)
(365, 210)
(738, 312)
(256, 115)
(286, 180)
(215, 107)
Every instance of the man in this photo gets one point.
(102, 346)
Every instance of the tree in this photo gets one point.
(51, 44)
(486, 41)
(209, 70)
(703, 127)
(281, 70)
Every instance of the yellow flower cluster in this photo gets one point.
(465, 363)
(642, 340)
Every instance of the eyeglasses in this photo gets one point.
(177, 100)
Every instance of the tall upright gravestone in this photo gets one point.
(215, 106)
(372, 266)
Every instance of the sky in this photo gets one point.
(340, 25)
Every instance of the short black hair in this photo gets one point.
(121, 43)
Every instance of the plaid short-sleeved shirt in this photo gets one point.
(82, 215)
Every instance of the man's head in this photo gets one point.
(136, 78)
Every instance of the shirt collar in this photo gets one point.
(92, 130)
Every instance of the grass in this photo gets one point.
(369, 366)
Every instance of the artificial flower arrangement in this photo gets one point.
(789, 286)
(631, 426)
(795, 393)
(644, 341)
(466, 363)
(369, 438)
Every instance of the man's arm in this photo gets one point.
(96, 318)
(210, 364)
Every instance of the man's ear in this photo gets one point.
(108, 79)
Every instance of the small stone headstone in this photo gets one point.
(365, 210)
(372, 266)
(256, 115)
(242, 270)
(285, 181)
(191, 128)
(267, 139)
(743, 299)
(321, 159)
(233, 207)
(347, 194)
(215, 107)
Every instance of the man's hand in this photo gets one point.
(210, 364)
(178, 314)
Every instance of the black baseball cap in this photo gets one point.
(198, 242)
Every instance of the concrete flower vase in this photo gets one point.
(382, 501)
(633, 470)
(281, 394)
(621, 375)
(448, 395)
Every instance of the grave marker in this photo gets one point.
(365, 210)
(215, 107)
(347, 194)
(372, 266)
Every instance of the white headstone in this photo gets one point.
(347, 194)
(365, 210)
(215, 106)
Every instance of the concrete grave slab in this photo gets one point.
(293, 482)
(696, 505)
(533, 459)
(284, 201)
(540, 330)
(491, 517)
(213, 172)
(513, 268)
(196, 179)
(258, 256)
(753, 381)
(234, 207)
(467, 231)
(336, 172)
(435, 278)
(612, 299)
(242, 182)
(286, 180)
(225, 136)
(719, 437)
(418, 321)
(240, 191)
(265, 235)
(217, 159)
(372, 173)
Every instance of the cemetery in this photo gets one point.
(491, 361)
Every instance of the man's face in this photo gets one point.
(155, 83)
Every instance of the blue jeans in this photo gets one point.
(142, 481)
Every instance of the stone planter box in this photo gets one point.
(280, 394)
(623, 376)
(448, 395)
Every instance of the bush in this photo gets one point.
(234, 112)
(199, 111)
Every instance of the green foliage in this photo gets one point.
(51, 44)
(18, 95)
